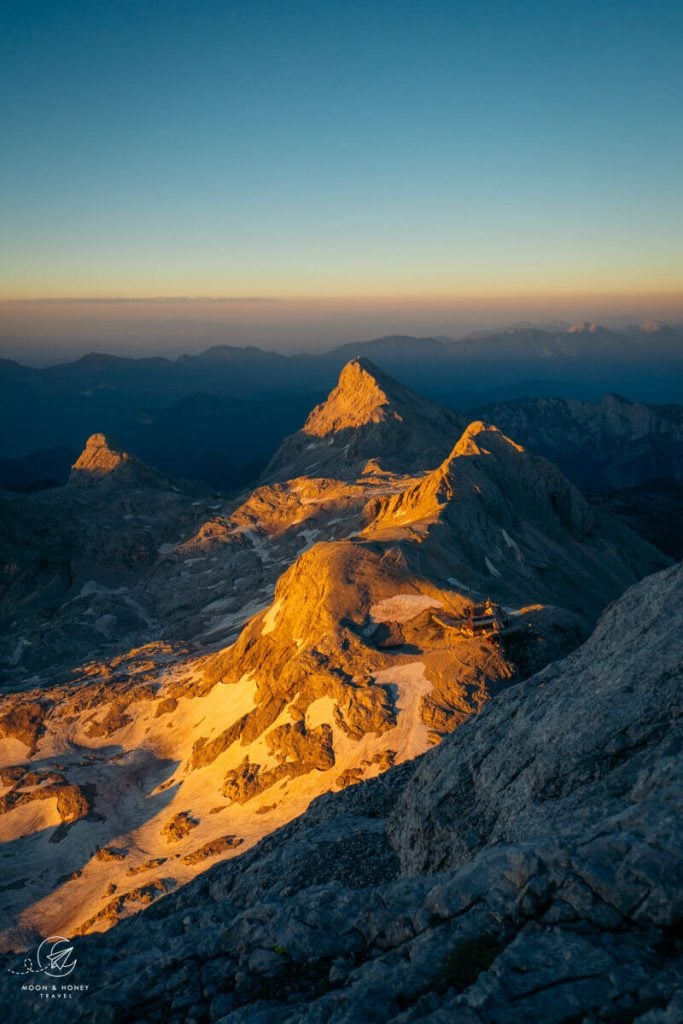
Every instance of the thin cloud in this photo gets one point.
(160, 300)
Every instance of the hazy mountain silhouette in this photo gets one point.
(137, 400)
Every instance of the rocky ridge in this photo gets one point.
(303, 638)
(606, 445)
(511, 524)
(528, 868)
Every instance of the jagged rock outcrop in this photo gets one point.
(528, 869)
(368, 418)
(606, 445)
(102, 460)
(76, 563)
(512, 525)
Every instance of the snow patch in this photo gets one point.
(320, 712)
(402, 607)
(234, 619)
(410, 735)
(19, 649)
(259, 544)
(105, 624)
(512, 544)
(492, 569)
(270, 618)
(91, 587)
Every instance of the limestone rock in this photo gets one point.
(195, 667)
(527, 868)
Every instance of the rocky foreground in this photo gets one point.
(526, 869)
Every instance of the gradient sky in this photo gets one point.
(311, 152)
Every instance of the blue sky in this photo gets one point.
(317, 150)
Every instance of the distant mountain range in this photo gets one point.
(602, 446)
(219, 416)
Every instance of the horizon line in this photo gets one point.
(405, 297)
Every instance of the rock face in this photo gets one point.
(510, 523)
(607, 445)
(76, 563)
(203, 668)
(105, 463)
(527, 869)
(99, 458)
(653, 510)
(367, 417)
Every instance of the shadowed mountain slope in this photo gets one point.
(368, 416)
(240, 402)
(73, 557)
(601, 446)
(512, 525)
(526, 869)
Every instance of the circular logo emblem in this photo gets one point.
(55, 956)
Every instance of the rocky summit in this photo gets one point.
(368, 421)
(527, 869)
(185, 673)
(105, 463)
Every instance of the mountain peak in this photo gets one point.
(363, 395)
(481, 438)
(587, 327)
(652, 325)
(104, 459)
(483, 488)
(367, 416)
(100, 456)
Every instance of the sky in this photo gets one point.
(296, 173)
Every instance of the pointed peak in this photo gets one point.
(364, 371)
(367, 415)
(101, 455)
(363, 394)
(103, 459)
(586, 327)
(652, 325)
(481, 438)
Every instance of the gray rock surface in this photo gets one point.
(527, 869)
(602, 445)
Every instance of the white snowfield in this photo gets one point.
(402, 607)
